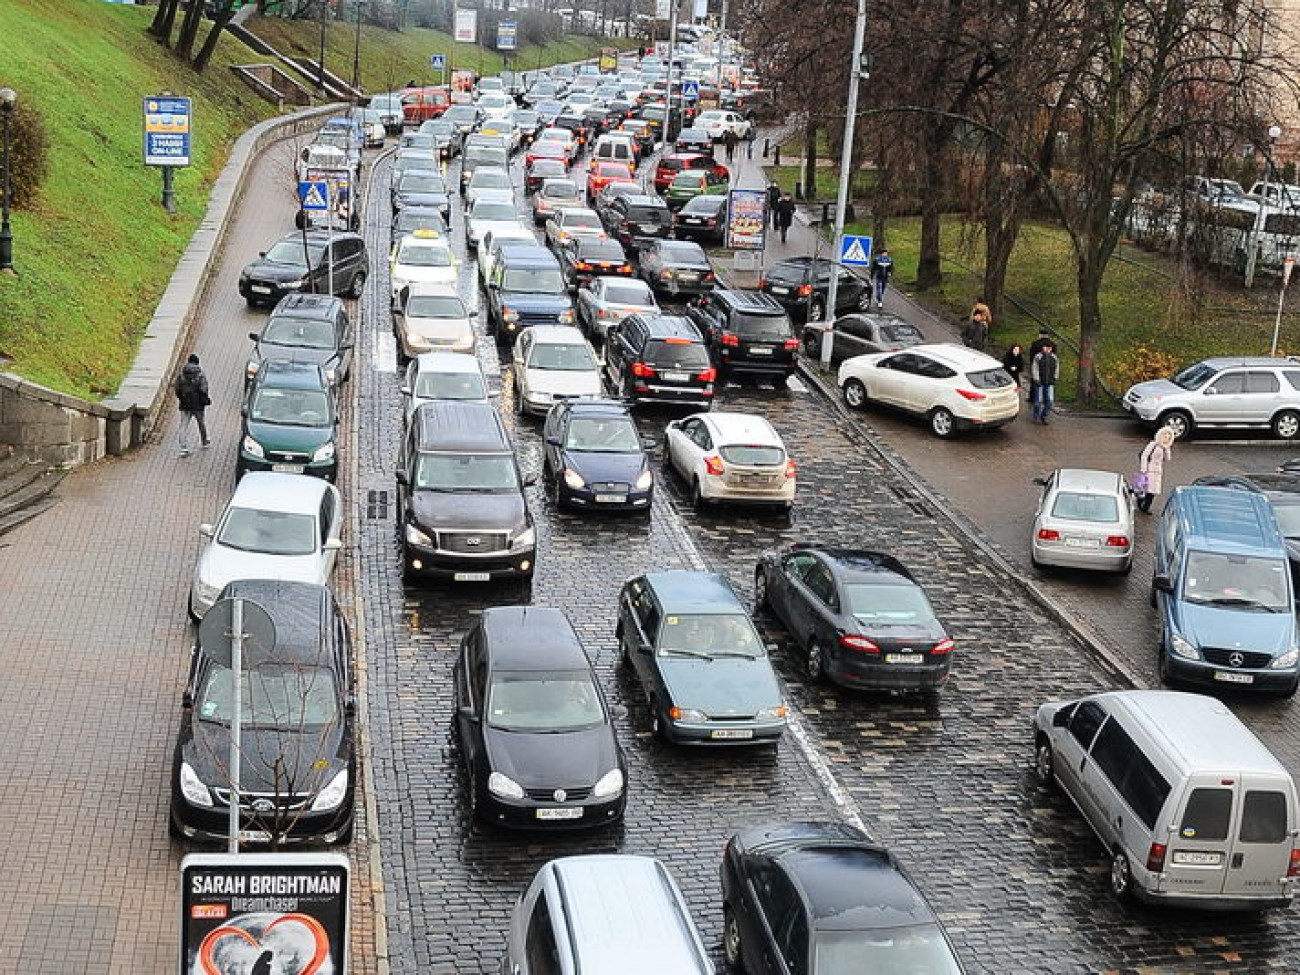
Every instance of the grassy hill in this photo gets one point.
(96, 251)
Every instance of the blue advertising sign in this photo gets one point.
(507, 35)
(437, 62)
(855, 250)
(166, 131)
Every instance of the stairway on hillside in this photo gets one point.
(26, 488)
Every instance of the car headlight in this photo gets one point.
(330, 796)
(688, 714)
(192, 787)
(1287, 659)
(324, 452)
(566, 317)
(573, 479)
(509, 315)
(644, 481)
(1183, 648)
(526, 538)
(416, 537)
(296, 283)
(610, 784)
(505, 787)
(253, 448)
(769, 714)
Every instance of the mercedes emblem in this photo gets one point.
(1236, 659)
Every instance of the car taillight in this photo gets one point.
(604, 313)
(804, 290)
(713, 465)
(623, 225)
(625, 269)
(641, 370)
(582, 266)
(945, 645)
(790, 344)
(1117, 541)
(665, 274)
(729, 338)
(1048, 535)
(858, 643)
(711, 222)
(762, 283)
(1294, 869)
(971, 395)
(708, 276)
(1156, 858)
(790, 468)
(707, 375)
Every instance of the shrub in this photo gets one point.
(28, 154)
(1137, 365)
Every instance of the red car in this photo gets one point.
(677, 162)
(604, 171)
(421, 104)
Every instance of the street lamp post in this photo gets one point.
(356, 49)
(1274, 132)
(8, 97)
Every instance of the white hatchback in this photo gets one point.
(731, 457)
(951, 386)
(551, 363)
(276, 526)
(717, 122)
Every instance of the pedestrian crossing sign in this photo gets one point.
(315, 195)
(855, 250)
(691, 90)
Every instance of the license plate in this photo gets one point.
(568, 812)
(472, 576)
(254, 836)
(287, 468)
(693, 221)
(610, 498)
(261, 289)
(732, 734)
(1228, 677)
(779, 291)
(687, 276)
(1198, 858)
(760, 350)
(904, 658)
(1082, 543)
(677, 377)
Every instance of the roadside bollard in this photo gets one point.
(765, 146)
(776, 156)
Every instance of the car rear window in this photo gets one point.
(649, 214)
(670, 165)
(1263, 817)
(759, 455)
(990, 378)
(767, 327)
(897, 331)
(1207, 814)
(680, 353)
(1070, 506)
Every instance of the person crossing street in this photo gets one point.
(881, 270)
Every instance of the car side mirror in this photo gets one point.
(206, 530)
(400, 477)
(350, 705)
(405, 390)
(344, 346)
(254, 336)
(553, 441)
(530, 479)
(1163, 582)
(261, 253)
(1041, 481)
(467, 713)
(473, 313)
(333, 544)
(649, 443)
(1211, 392)
(187, 699)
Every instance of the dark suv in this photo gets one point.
(746, 331)
(315, 261)
(637, 218)
(659, 358)
(290, 422)
(526, 287)
(802, 286)
(305, 328)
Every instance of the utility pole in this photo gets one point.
(320, 65)
(721, 46)
(846, 177)
(669, 134)
(356, 49)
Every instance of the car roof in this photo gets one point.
(682, 591)
(1277, 486)
(606, 408)
(739, 428)
(459, 425)
(851, 887)
(564, 181)
(301, 611)
(955, 356)
(445, 362)
(859, 563)
(750, 301)
(319, 236)
(556, 335)
(599, 243)
(643, 200)
(279, 492)
(1086, 481)
(288, 374)
(307, 305)
(1224, 362)
(531, 638)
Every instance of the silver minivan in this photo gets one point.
(604, 914)
(1192, 808)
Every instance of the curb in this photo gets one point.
(1082, 632)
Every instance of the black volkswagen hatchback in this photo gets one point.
(298, 764)
(535, 734)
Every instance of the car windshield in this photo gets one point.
(425, 255)
(540, 280)
(466, 473)
(291, 407)
(613, 435)
(417, 140)
(493, 210)
(1070, 506)
(630, 293)
(268, 532)
(489, 179)
(990, 378)
(683, 254)
(915, 948)
(335, 137)
(461, 113)
(1243, 581)
(687, 181)
(476, 156)
(291, 252)
(413, 219)
(1288, 519)
(286, 697)
(435, 306)
(899, 331)
(709, 636)
(421, 183)
(543, 701)
(757, 455)
(887, 604)
(553, 357)
(769, 328)
(705, 204)
(299, 333)
(450, 385)
(1195, 376)
(648, 214)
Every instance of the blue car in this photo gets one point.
(595, 459)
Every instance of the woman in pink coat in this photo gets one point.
(1152, 464)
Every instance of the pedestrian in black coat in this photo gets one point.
(773, 198)
(784, 214)
(191, 388)
(1014, 362)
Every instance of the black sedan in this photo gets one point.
(677, 267)
(862, 334)
(595, 459)
(297, 771)
(702, 218)
(533, 729)
(422, 188)
(584, 258)
(823, 899)
(858, 617)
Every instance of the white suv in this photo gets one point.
(953, 387)
(1223, 392)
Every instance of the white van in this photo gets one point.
(604, 914)
(1191, 807)
(620, 148)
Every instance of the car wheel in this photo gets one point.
(731, 940)
(471, 798)
(1290, 689)
(657, 727)
(189, 605)
(358, 285)
(1286, 425)
(1166, 675)
(817, 310)
(815, 662)
(855, 394)
(1121, 877)
(1180, 424)
(942, 423)
(760, 591)
(1043, 773)
(698, 500)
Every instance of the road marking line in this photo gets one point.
(384, 351)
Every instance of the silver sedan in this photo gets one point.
(1084, 521)
(605, 300)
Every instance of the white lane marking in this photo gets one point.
(384, 351)
(795, 385)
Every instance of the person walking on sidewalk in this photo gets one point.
(975, 333)
(751, 134)
(1043, 372)
(729, 139)
(1151, 464)
(1013, 361)
(881, 270)
(773, 198)
(784, 214)
(191, 389)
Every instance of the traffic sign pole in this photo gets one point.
(236, 719)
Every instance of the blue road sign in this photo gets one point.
(691, 90)
(166, 131)
(437, 62)
(855, 250)
(507, 35)
(315, 195)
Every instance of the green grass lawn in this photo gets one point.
(827, 181)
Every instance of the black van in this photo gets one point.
(460, 498)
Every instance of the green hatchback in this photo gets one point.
(290, 422)
(692, 183)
